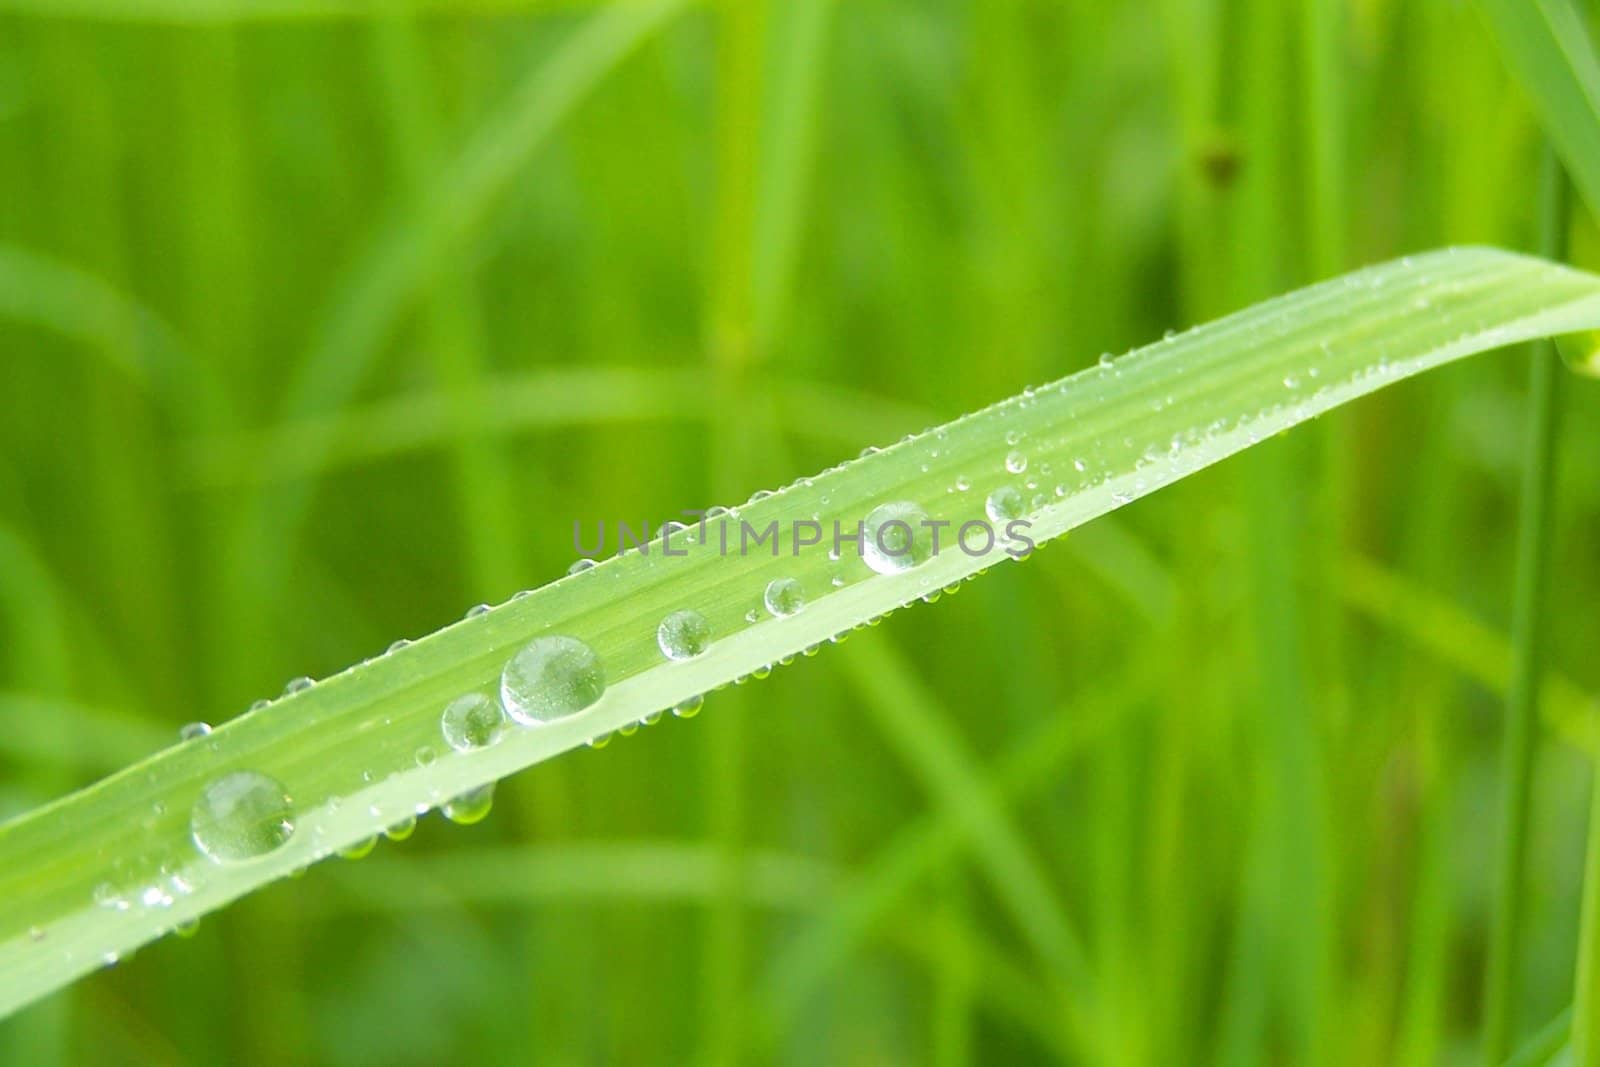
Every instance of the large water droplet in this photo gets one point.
(683, 635)
(241, 816)
(191, 730)
(551, 678)
(472, 721)
(784, 597)
(471, 806)
(895, 539)
(1004, 505)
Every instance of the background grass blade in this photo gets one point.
(349, 746)
(1546, 44)
(1503, 981)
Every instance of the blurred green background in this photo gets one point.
(316, 329)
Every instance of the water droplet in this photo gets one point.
(398, 645)
(35, 933)
(683, 635)
(551, 678)
(689, 708)
(963, 484)
(471, 806)
(401, 830)
(257, 705)
(298, 685)
(763, 671)
(472, 721)
(241, 816)
(1016, 462)
(628, 729)
(107, 896)
(360, 848)
(650, 719)
(895, 538)
(186, 928)
(1004, 505)
(1079, 465)
(599, 741)
(191, 730)
(426, 755)
(580, 565)
(784, 597)
(476, 610)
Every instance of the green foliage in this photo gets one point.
(321, 322)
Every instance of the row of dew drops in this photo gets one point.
(245, 815)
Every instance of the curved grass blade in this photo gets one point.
(1546, 44)
(347, 750)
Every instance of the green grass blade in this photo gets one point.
(240, 11)
(347, 749)
(1502, 982)
(1546, 44)
(1585, 1028)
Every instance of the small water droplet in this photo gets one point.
(1004, 505)
(784, 597)
(689, 707)
(963, 484)
(107, 896)
(186, 928)
(191, 730)
(628, 729)
(895, 538)
(599, 741)
(426, 755)
(1016, 462)
(551, 678)
(35, 933)
(298, 685)
(241, 816)
(398, 645)
(401, 830)
(477, 610)
(683, 635)
(580, 565)
(360, 849)
(472, 721)
(471, 806)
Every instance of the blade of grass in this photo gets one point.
(909, 717)
(1546, 44)
(346, 748)
(1465, 644)
(1585, 1028)
(409, 251)
(507, 405)
(1503, 975)
(877, 892)
(452, 320)
(242, 11)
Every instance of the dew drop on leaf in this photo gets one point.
(551, 678)
(241, 816)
